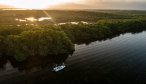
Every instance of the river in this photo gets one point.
(119, 60)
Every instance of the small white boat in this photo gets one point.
(59, 67)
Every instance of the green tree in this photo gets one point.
(39, 43)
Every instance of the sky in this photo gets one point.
(75, 4)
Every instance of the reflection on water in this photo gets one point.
(44, 18)
(74, 23)
(32, 63)
(18, 25)
(41, 19)
(32, 19)
(20, 20)
(118, 60)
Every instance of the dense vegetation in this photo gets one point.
(7, 17)
(84, 33)
(24, 41)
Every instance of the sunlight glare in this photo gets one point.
(34, 4)
(44, 18)
(32, 19)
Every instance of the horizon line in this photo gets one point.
(71, 9)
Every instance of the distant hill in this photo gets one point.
(71, 6)
(122, 5)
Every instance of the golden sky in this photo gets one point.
(99, 4)
(34, 3)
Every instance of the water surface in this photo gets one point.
(115, 61)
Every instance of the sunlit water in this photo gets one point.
(74, 23)
(120, 60)
(32, 19)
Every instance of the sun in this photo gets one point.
(33, 4)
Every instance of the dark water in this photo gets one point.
(119, 60)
